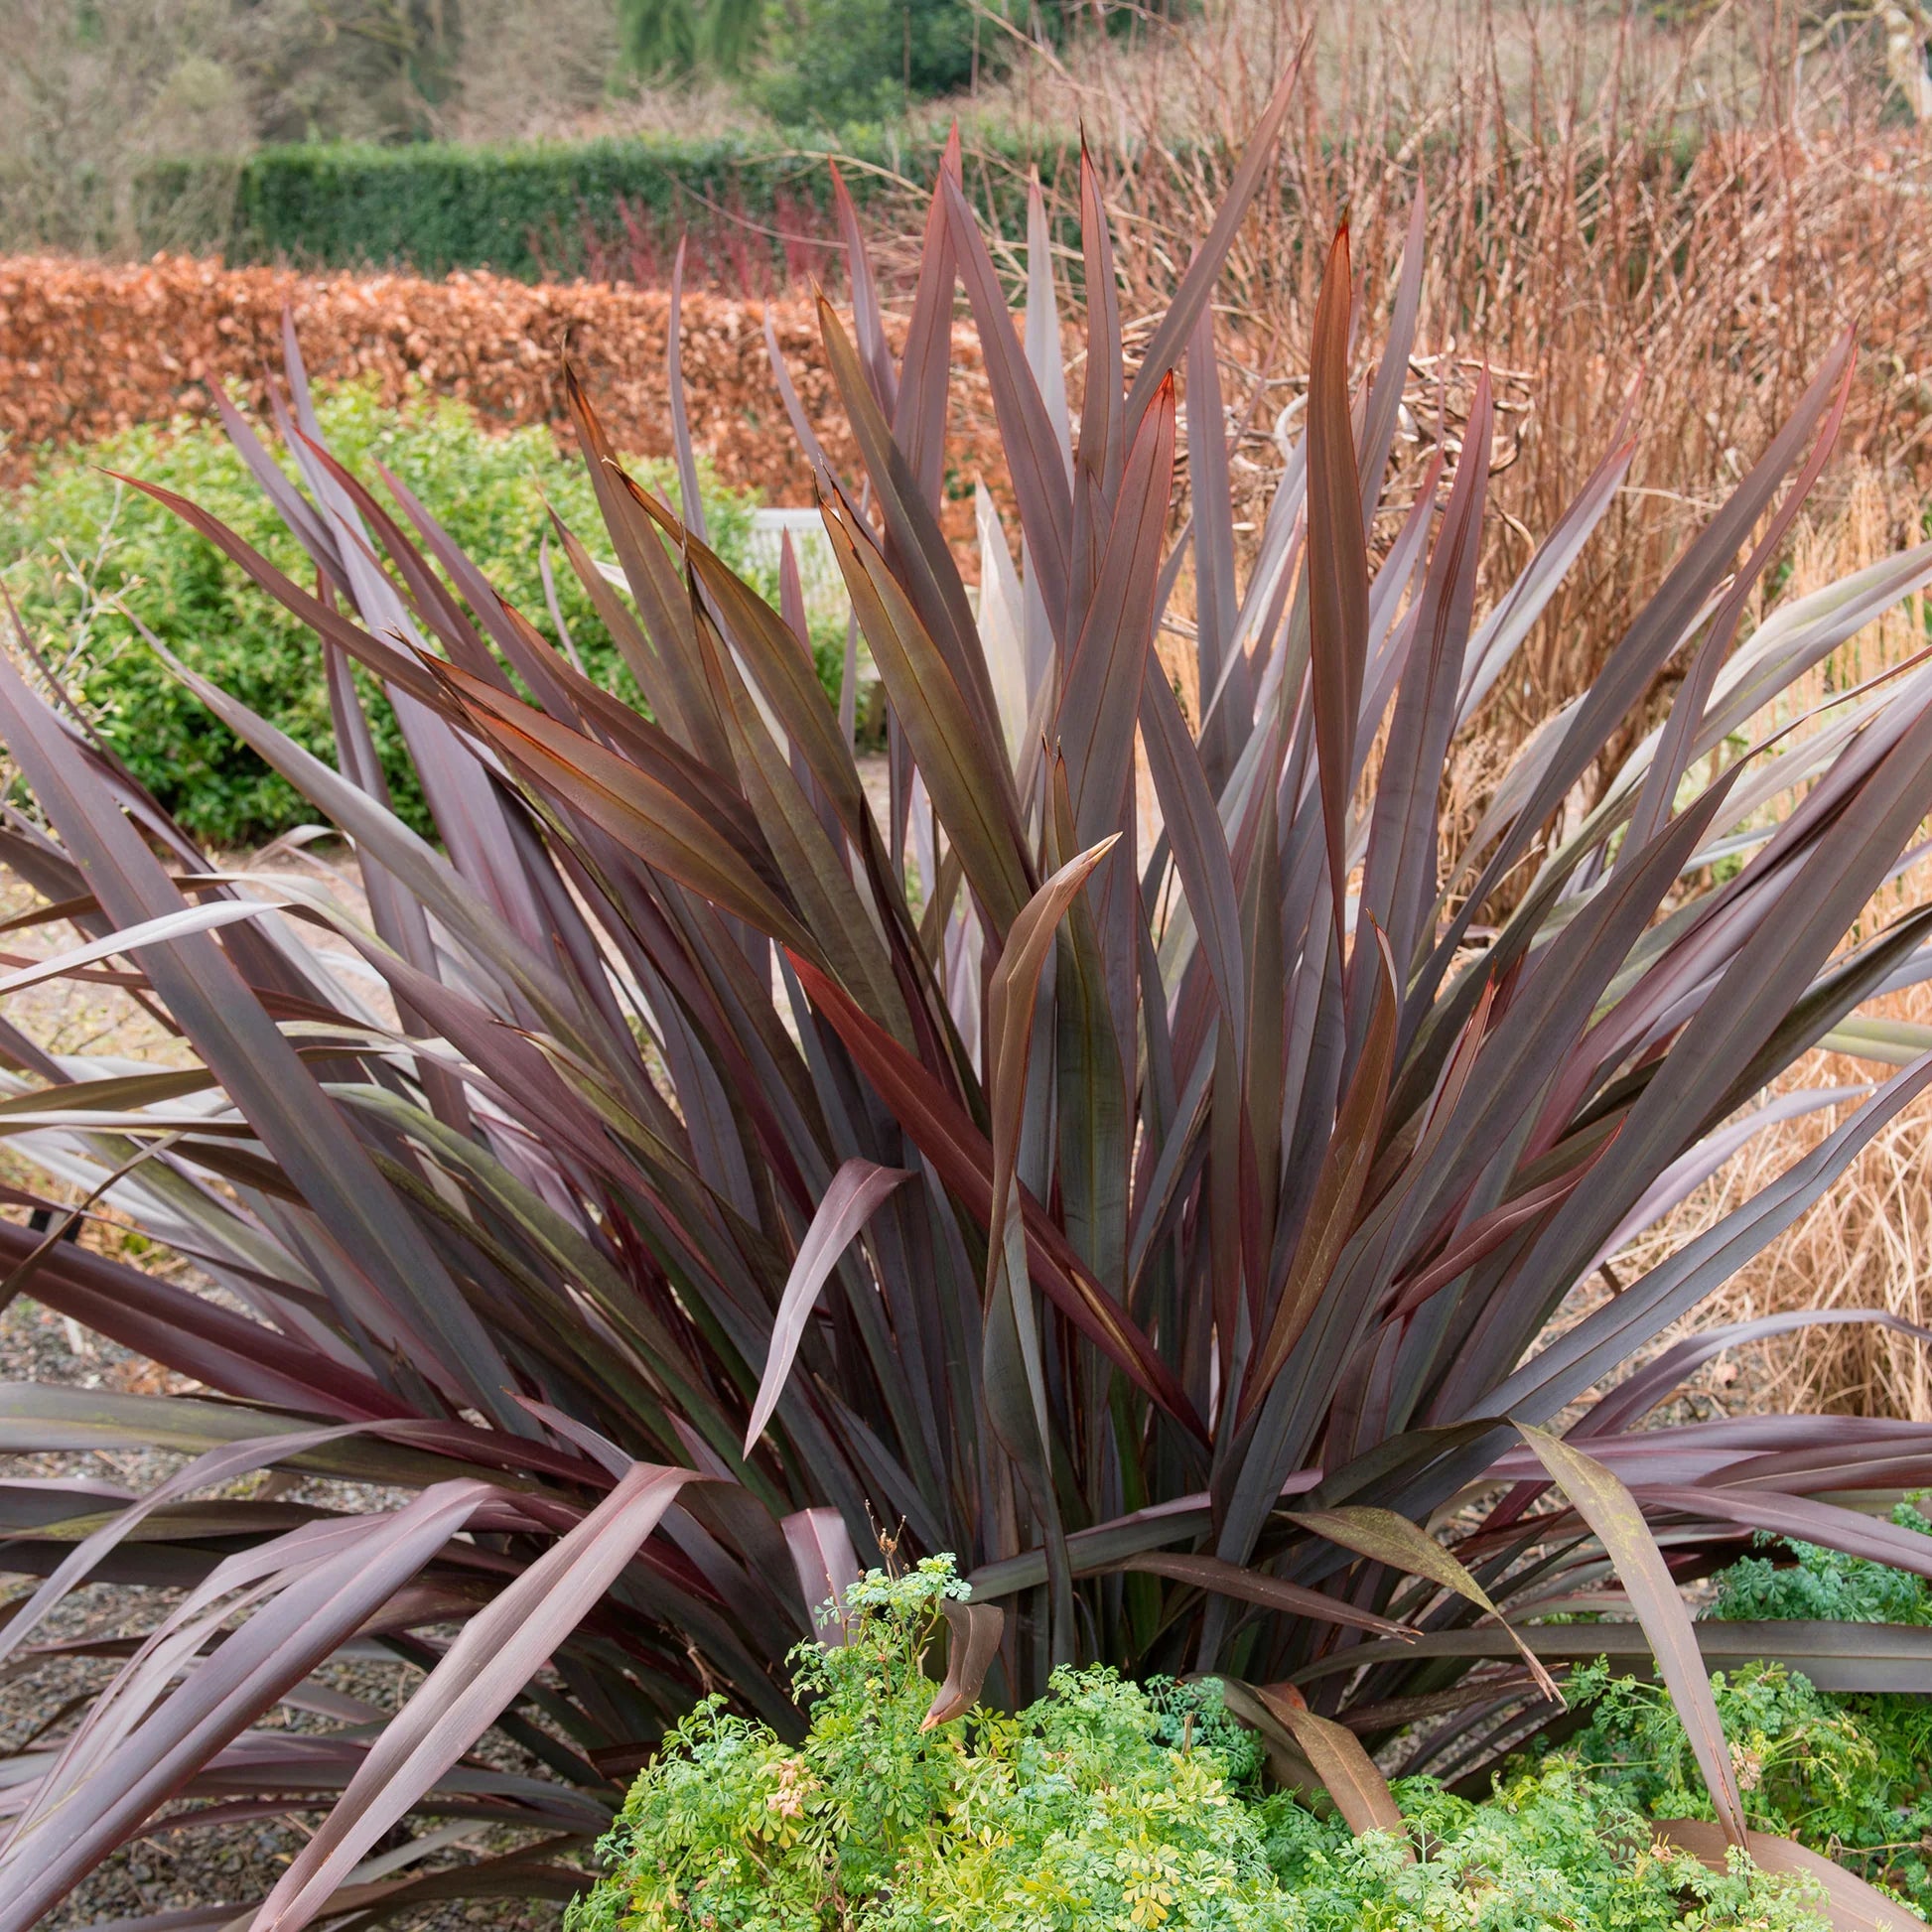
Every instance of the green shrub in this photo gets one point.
(1086, 1810)
(1817, 1582)
(77, 537)
(1851, 1776)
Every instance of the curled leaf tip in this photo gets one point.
(976, 1632)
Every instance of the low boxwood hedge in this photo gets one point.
(544, 209)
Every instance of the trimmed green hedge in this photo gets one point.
(534, 210)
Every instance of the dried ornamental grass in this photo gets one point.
(1869, 1242)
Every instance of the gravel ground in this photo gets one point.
(167, 1870)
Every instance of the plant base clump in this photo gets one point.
(1104, 1804)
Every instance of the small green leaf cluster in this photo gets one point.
(1551, 1848)
(1190, 1714)
(1104, 1805)
(1849, 1776)
(77, 542)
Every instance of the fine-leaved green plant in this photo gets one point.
(1085, 1811)
(1806, 1580)
(1850, 1775)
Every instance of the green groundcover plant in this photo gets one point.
(78, 542)
(1851, 1775)
(1198, 1231)
(1108, 1805)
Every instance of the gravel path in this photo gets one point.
(167, 1870)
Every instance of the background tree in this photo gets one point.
(675, 38)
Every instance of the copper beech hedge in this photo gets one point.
(90, 348)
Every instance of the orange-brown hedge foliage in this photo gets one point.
(90, 348)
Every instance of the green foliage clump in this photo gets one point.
(1848, 1775)
(77, 540)
(846, 60)
(676, 37)
(1190, 1713)
(1826, 1583)
(1551, 1847)
(1104, 1805)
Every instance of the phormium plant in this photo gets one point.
(1176, 1232)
